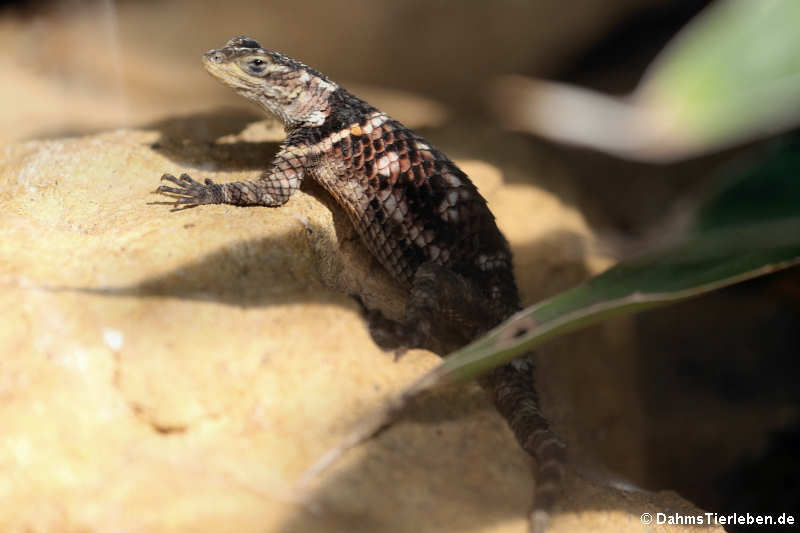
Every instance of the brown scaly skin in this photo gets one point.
(414, 209)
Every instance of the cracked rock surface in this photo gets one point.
(179, 371)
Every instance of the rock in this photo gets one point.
(179, 371)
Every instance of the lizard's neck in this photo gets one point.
(305, 103)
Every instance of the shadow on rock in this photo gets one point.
(250, 273)
(219, 140)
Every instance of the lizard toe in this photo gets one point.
(187, 180)
(170, 178)
(170, 190)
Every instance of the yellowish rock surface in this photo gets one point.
(179, 371)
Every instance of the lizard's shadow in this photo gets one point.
(219, 140)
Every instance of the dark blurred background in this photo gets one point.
(718, 375)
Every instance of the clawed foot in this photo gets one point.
(388, 334)
(189, 192)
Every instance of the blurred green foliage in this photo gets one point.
(733, 73)
(750, 227)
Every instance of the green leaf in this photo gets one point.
(733, 73)
(766, 191)
(750, 228)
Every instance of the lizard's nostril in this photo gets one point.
(214, 55)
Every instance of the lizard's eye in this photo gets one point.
(256, 66)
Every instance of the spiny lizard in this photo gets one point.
(415, 211)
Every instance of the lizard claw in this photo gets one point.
(190, 192)
(400, 352)
(386, 333)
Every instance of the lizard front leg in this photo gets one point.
(272, 189)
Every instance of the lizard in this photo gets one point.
(415, 211)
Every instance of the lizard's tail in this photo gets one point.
(514, 394)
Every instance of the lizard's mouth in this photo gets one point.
(218, 64)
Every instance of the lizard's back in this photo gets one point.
(408, 201)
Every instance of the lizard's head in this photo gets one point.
(294, 92)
